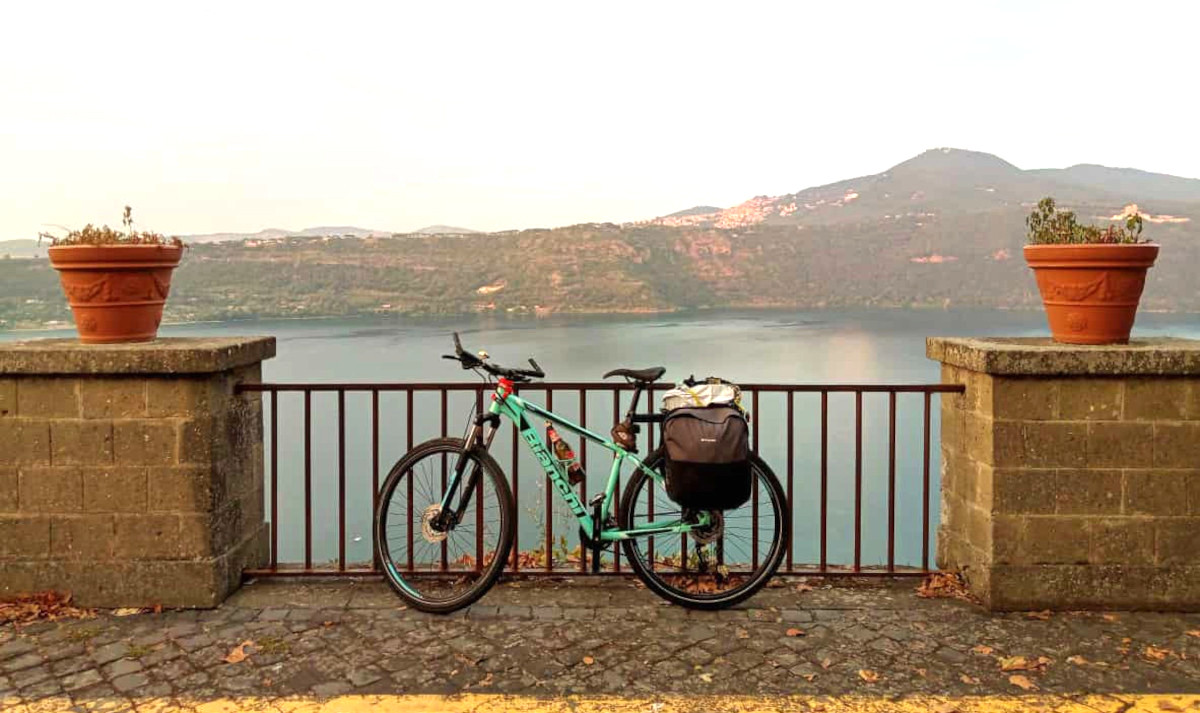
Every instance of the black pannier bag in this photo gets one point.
(708, 457)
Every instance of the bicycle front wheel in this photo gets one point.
(713, 568)
(439, 565)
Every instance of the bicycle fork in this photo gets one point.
(477, 438)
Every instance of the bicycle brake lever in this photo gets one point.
(536, 368)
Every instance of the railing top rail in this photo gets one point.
(592, 386)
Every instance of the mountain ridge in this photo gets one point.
(946, 179)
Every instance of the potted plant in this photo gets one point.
(116, 282)
(1091, 278)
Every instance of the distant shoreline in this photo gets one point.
(531, 317)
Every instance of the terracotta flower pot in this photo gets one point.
(116, 292)
(1091, 292)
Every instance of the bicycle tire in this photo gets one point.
(655, 580)
(396, 579)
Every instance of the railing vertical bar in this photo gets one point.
(790, 469)
(616, 392)
(683, 554)
(341, 417)
(891, 543)
(650, 425)
(408, 440)
(650, 481)
(274, 479)
(374, 468)
(754, 423)
(549, 527)
(925, 491)
(858, 480)
(583, 551)
(479, 497)
(824, 479)
(445, 564)
(650, 518)
(754, 492)
(307, 479)
(516, 471)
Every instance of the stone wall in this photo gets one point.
(1071, 475)
(131, 475)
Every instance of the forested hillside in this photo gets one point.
(944, 229)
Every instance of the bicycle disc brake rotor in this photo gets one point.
(715, 528)
(427, 519)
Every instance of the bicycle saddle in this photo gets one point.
(649, 375)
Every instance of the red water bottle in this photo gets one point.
(563, 452)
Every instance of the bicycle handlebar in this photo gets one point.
(471, 361)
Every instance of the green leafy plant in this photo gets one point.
(104, 235)
(1050, 226)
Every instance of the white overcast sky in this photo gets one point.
(238, 116)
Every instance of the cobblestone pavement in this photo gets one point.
(878, 645)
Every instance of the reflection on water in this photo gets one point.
(852, 346)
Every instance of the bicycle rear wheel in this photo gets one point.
(434, 568)
(715, 568)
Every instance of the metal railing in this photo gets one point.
(849, 431)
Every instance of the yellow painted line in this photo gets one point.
(494, 703)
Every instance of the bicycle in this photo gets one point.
(455, 555)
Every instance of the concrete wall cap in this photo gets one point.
(172, 355)
(1035, 356)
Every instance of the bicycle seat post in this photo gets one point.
(638, 387)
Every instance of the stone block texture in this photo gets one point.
(1071, 475)
(131, 475)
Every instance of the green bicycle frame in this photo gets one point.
(515, 409)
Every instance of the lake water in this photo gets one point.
(812, 347)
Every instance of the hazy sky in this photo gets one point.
(237, 116)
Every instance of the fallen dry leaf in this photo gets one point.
(810, 677)
(802, 588)
(589, 660)
(742, 634)
(327, 624)
(127, 611)
(795, 632)
(1194, 632)
(1077, 660)
(1020, 663)
(238, 653)
(826, 663)
(50, 606)
(868, 675)
(158, 609)
(969, 680)
(945, 585)
(921, 672)
(983, 650)
(487, 681)
(1155, 654)
(1109, 617)
(706, 677)
(1023, 682)
(1042, 615)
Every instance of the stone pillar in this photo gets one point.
(131, 474)
(1071, 474)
